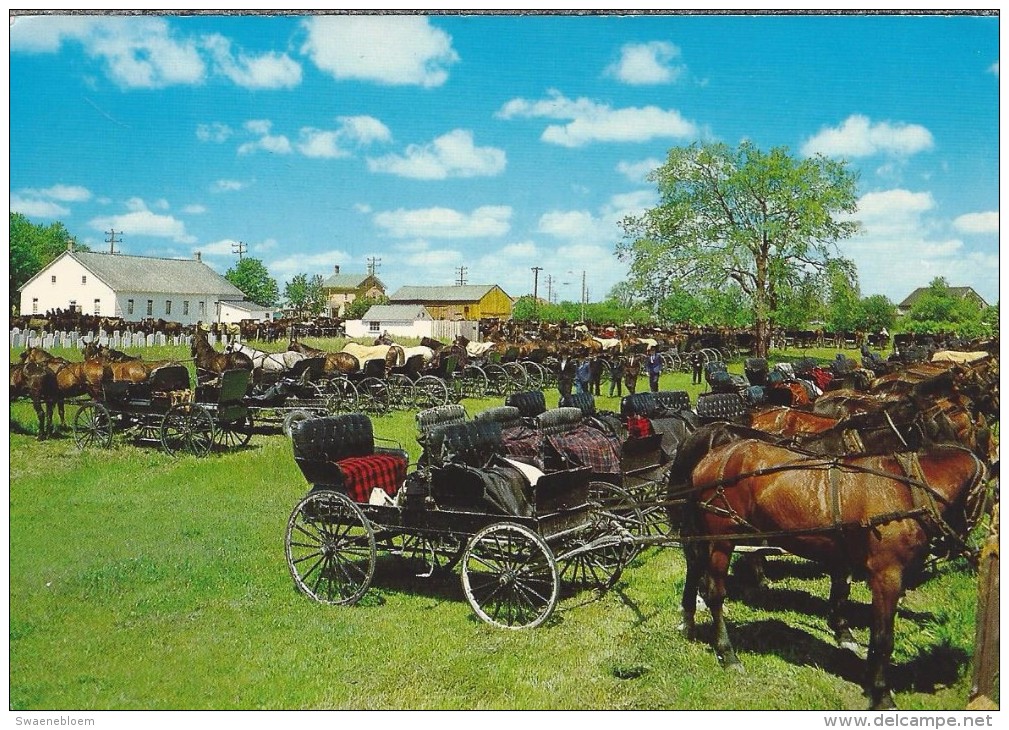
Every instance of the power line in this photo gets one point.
(111, 240)
(373, 264)
(239, 248)
(461, 273)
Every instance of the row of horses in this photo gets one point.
(865, 483)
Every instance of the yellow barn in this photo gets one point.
(467, 301)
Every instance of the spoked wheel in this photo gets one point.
(187, 428)
(474, 381)
(342, 396)
(330, 548)
(595, 556)
(430, 391)
(510, 576)
(650, 497)
(427, 555)
(93, 426)
(374, 396)
(517, 376)
(234, 435)
(620, 505)
(401, 392)
(498, 380)
(293, 418)
(536, 375)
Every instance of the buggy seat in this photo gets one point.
(520, 441)
(665, 415)
(568, 441)
(530, 403)
(166, 385)
(339, 451)
(713, 407)
(429, 421)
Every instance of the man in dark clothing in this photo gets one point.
(617, 376)
(696, 363)
(653, 364)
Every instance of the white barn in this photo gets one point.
(130, 287)
(237, 311)
(399, 320)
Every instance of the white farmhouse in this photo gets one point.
(237, 311)
(130, 287)
(398, 320)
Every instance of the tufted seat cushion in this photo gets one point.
(721, 407)
(530, 403)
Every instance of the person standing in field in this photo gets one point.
(653, 365)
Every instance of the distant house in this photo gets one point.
(342, 289)
(132, 288)
(398, 320)
(960, 292)
(466, 302)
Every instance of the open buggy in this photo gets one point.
(517, 534)
(166, 410)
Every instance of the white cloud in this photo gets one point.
(448, 156)
(224, 247)
(973, 223)
(351, 132)
(438, 259)
(445, 222)
(637, 172)
(284, 269)
(63, 193)
(267, 71)
(227, 186)
(390, 49)
(858, 136)
(600, 228)
(213, 132)
(647, 63)
(37, 208)
(194, 209)
(138, 52)
(277, 144)
(362, 208)
(594, 122)
(569, 225)
(140, 221)
(903, 246)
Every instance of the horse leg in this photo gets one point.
(886, 586)
(840, 590)
(37, 405)
(693, 553)
(718, 567)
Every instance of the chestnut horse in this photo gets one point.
(334, 363)
(211, 361)
(874, 515)
(36, 381)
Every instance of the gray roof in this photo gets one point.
(348, 281)
(247, 306)
(960, 292)
(397, 312)
(148, 274)
(464, 293)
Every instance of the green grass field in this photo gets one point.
(142, 581)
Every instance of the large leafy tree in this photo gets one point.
(305, 294)
(32, 248)
(938, 310)
(761, 220)
(252, 277)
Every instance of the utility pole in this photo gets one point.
(550, 289)
(112, 240)
(239, 248)
(373, 264)
(585, 296)
(536, 281)
(461, 273)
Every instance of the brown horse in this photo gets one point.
(334, 363)
(37, 382)
(875, 515)
(211, 361)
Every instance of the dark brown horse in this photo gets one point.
(210, 361)
(335, 363)
(875, 515)
(37, 382)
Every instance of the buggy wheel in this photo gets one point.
(430, 391)
(375, 397)
(330, 548)
(474, 381)
(234, 435)
(427, 555)
(342, 396)
(626, 513)
(595, 556)
(510, 576)
(293, 418)
(93, 426)
(401, 392)
(498, 380)
(518, 378)
(187, 427)
(536, 374)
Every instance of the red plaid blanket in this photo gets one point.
(361, 474)
(587, 446)
(522, 443)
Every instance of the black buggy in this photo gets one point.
(519, 536)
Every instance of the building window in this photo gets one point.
(84, 279)
(185, 307)
(150, 307)
(129, 306)
(168, 306)
(98, 306)
(35, 305)
(374, 326)
(203, 309)
(54, 278)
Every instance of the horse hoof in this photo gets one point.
(731, 662)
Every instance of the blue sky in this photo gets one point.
(494, 143)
